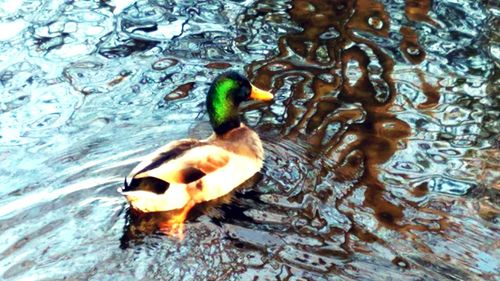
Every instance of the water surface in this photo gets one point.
(382, 143)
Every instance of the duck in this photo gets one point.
(186, 172)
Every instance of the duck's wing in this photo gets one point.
(189, 166)
(156, 159)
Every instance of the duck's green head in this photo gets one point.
(228, 90)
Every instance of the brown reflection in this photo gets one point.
(119, 79)
(340, 95)
(180, 92)
(218, 65)
(410, 47)
(431, 92)
(420, 190)
(417, 10)
(370, 16)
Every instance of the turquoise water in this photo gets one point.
(382, 143)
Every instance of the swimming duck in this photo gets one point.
(189, 171)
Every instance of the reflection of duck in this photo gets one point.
(186, 172)
(229, 208)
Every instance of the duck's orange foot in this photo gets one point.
(174, 227)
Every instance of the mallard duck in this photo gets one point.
(189, 171)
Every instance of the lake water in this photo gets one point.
(382, 145)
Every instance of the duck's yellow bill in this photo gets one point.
(258, 94)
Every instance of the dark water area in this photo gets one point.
(382, 145)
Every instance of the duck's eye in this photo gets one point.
(244, 90)
(244, 93)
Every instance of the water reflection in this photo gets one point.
(382, 145)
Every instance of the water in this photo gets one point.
(382, 143)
